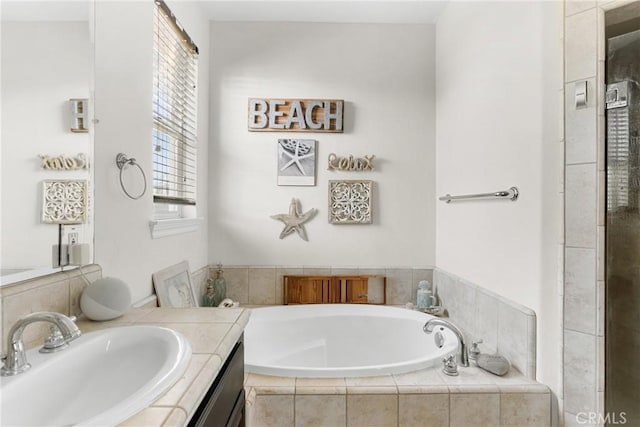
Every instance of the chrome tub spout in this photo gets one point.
(463, 351)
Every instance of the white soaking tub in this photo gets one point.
(341, 340)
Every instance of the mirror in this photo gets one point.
(47, 60)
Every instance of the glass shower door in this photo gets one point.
(622, 387)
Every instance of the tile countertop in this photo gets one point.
(212, 333)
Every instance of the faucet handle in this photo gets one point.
(55, 341)
(474, 351)
(450, 365)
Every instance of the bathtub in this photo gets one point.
(341, 340)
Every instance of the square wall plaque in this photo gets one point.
(64, 201)
(350, 202)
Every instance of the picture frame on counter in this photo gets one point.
(173, 286)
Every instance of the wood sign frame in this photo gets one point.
(295, 115)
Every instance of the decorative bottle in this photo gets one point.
(219, 287)
(209, 295)
(424, 298)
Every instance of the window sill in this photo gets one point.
(169, 227)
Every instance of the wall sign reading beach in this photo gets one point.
(296, 115)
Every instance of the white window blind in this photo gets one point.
(174, 111)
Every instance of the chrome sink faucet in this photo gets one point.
(15, 361)
(463, 352)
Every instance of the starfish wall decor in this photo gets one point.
(296, 162)
(294, 220)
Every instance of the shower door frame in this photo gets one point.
(582, 399)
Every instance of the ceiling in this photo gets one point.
(338, 11)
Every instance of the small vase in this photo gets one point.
(208, 300)
(219, 287)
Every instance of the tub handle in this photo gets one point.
(450, 366)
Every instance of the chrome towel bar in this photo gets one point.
(511, 194)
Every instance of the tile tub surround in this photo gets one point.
(262, 285)
(212, 333)
(421, 398)
(504, 326)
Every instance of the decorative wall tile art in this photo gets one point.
(350, 202)
(296, 162)
(64, 201)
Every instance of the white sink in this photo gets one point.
(102, 379)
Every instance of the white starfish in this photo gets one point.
(293, 221)
(295, 158)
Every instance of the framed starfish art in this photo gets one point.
(296, 162)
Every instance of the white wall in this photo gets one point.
(499, 100)
(385, 74)
(124, 78)
(44, 64)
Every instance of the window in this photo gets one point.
(174, 115)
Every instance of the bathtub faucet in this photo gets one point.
(464, 353)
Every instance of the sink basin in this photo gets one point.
(103, 378)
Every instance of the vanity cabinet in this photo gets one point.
(223, 404)
(362, 289)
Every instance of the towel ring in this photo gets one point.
(121, 161)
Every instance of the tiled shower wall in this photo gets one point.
(503, 326)
(585, 198)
